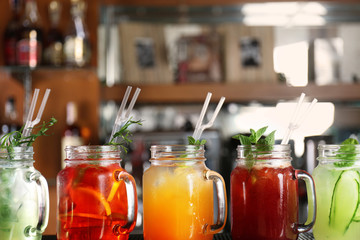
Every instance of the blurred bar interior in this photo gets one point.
(260, 56)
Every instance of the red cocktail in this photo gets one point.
(264, 196)
(93, 202)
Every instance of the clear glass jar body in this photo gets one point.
(24, 198)
(178, 195)
(96, 198)
(337, 184)
(264, 195)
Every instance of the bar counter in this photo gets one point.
(221, 236)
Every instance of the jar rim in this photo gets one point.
(331, 153)
(93, 152)
(275, 147)
(336, 146)
(278, 152)
(18, 153)
(169, 147)
(17, 148)
(93, 148)
(177, 152)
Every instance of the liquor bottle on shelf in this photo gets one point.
(53, 49)
(74, 134)
(11, 33)
(30, 40)
(9, 122)
(77, 51)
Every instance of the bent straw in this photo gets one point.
(122, 118)
(200, 128)
(29, 124)
(296, 121)
(31, 110)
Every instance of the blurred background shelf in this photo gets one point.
(234, 92)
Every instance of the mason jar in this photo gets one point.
(24, 198)
(96, 197)
(337, 181)
(264, 194)
(178, 195)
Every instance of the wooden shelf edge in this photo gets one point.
(234, 92)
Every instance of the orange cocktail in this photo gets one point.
(178, 196)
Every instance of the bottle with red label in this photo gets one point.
(11, 33)
(29, 44)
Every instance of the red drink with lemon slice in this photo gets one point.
(96, 197)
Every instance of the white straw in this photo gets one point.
(31, 110)
(202, 114)
(29, 125)
(296, 121)
(42, 107)
(308, 110)
(122, 118)
(123, 104)
(132, 103)
(200, 128)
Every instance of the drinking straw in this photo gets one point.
(29, 124)
(122, 118)
(296, 121)
(199, 128)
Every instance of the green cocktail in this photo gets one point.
(337, 182)
(24, 197)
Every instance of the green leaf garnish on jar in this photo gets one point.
(347, 153)
(192, 141)
(122, 137)
(255, 139)
(16, 139)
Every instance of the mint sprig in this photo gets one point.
(192, 141)
(16, 139)
(124, 135)
(255, 138)
(347, 153)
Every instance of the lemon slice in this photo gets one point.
(90, 198)
(113, 190)
(345, 201)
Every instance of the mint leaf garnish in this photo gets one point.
(267, 143)
(347, 153)
(244, 140)
(255, 137)
(261, 144)
(124, 135)
(192, 141)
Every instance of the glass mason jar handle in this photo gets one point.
(222, 202)
(42, 191)
(131, 196)
(310, 189)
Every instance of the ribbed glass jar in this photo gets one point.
(337, 181)
(96, 197)
(264, 194)
(24, 198)
(178, 195)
